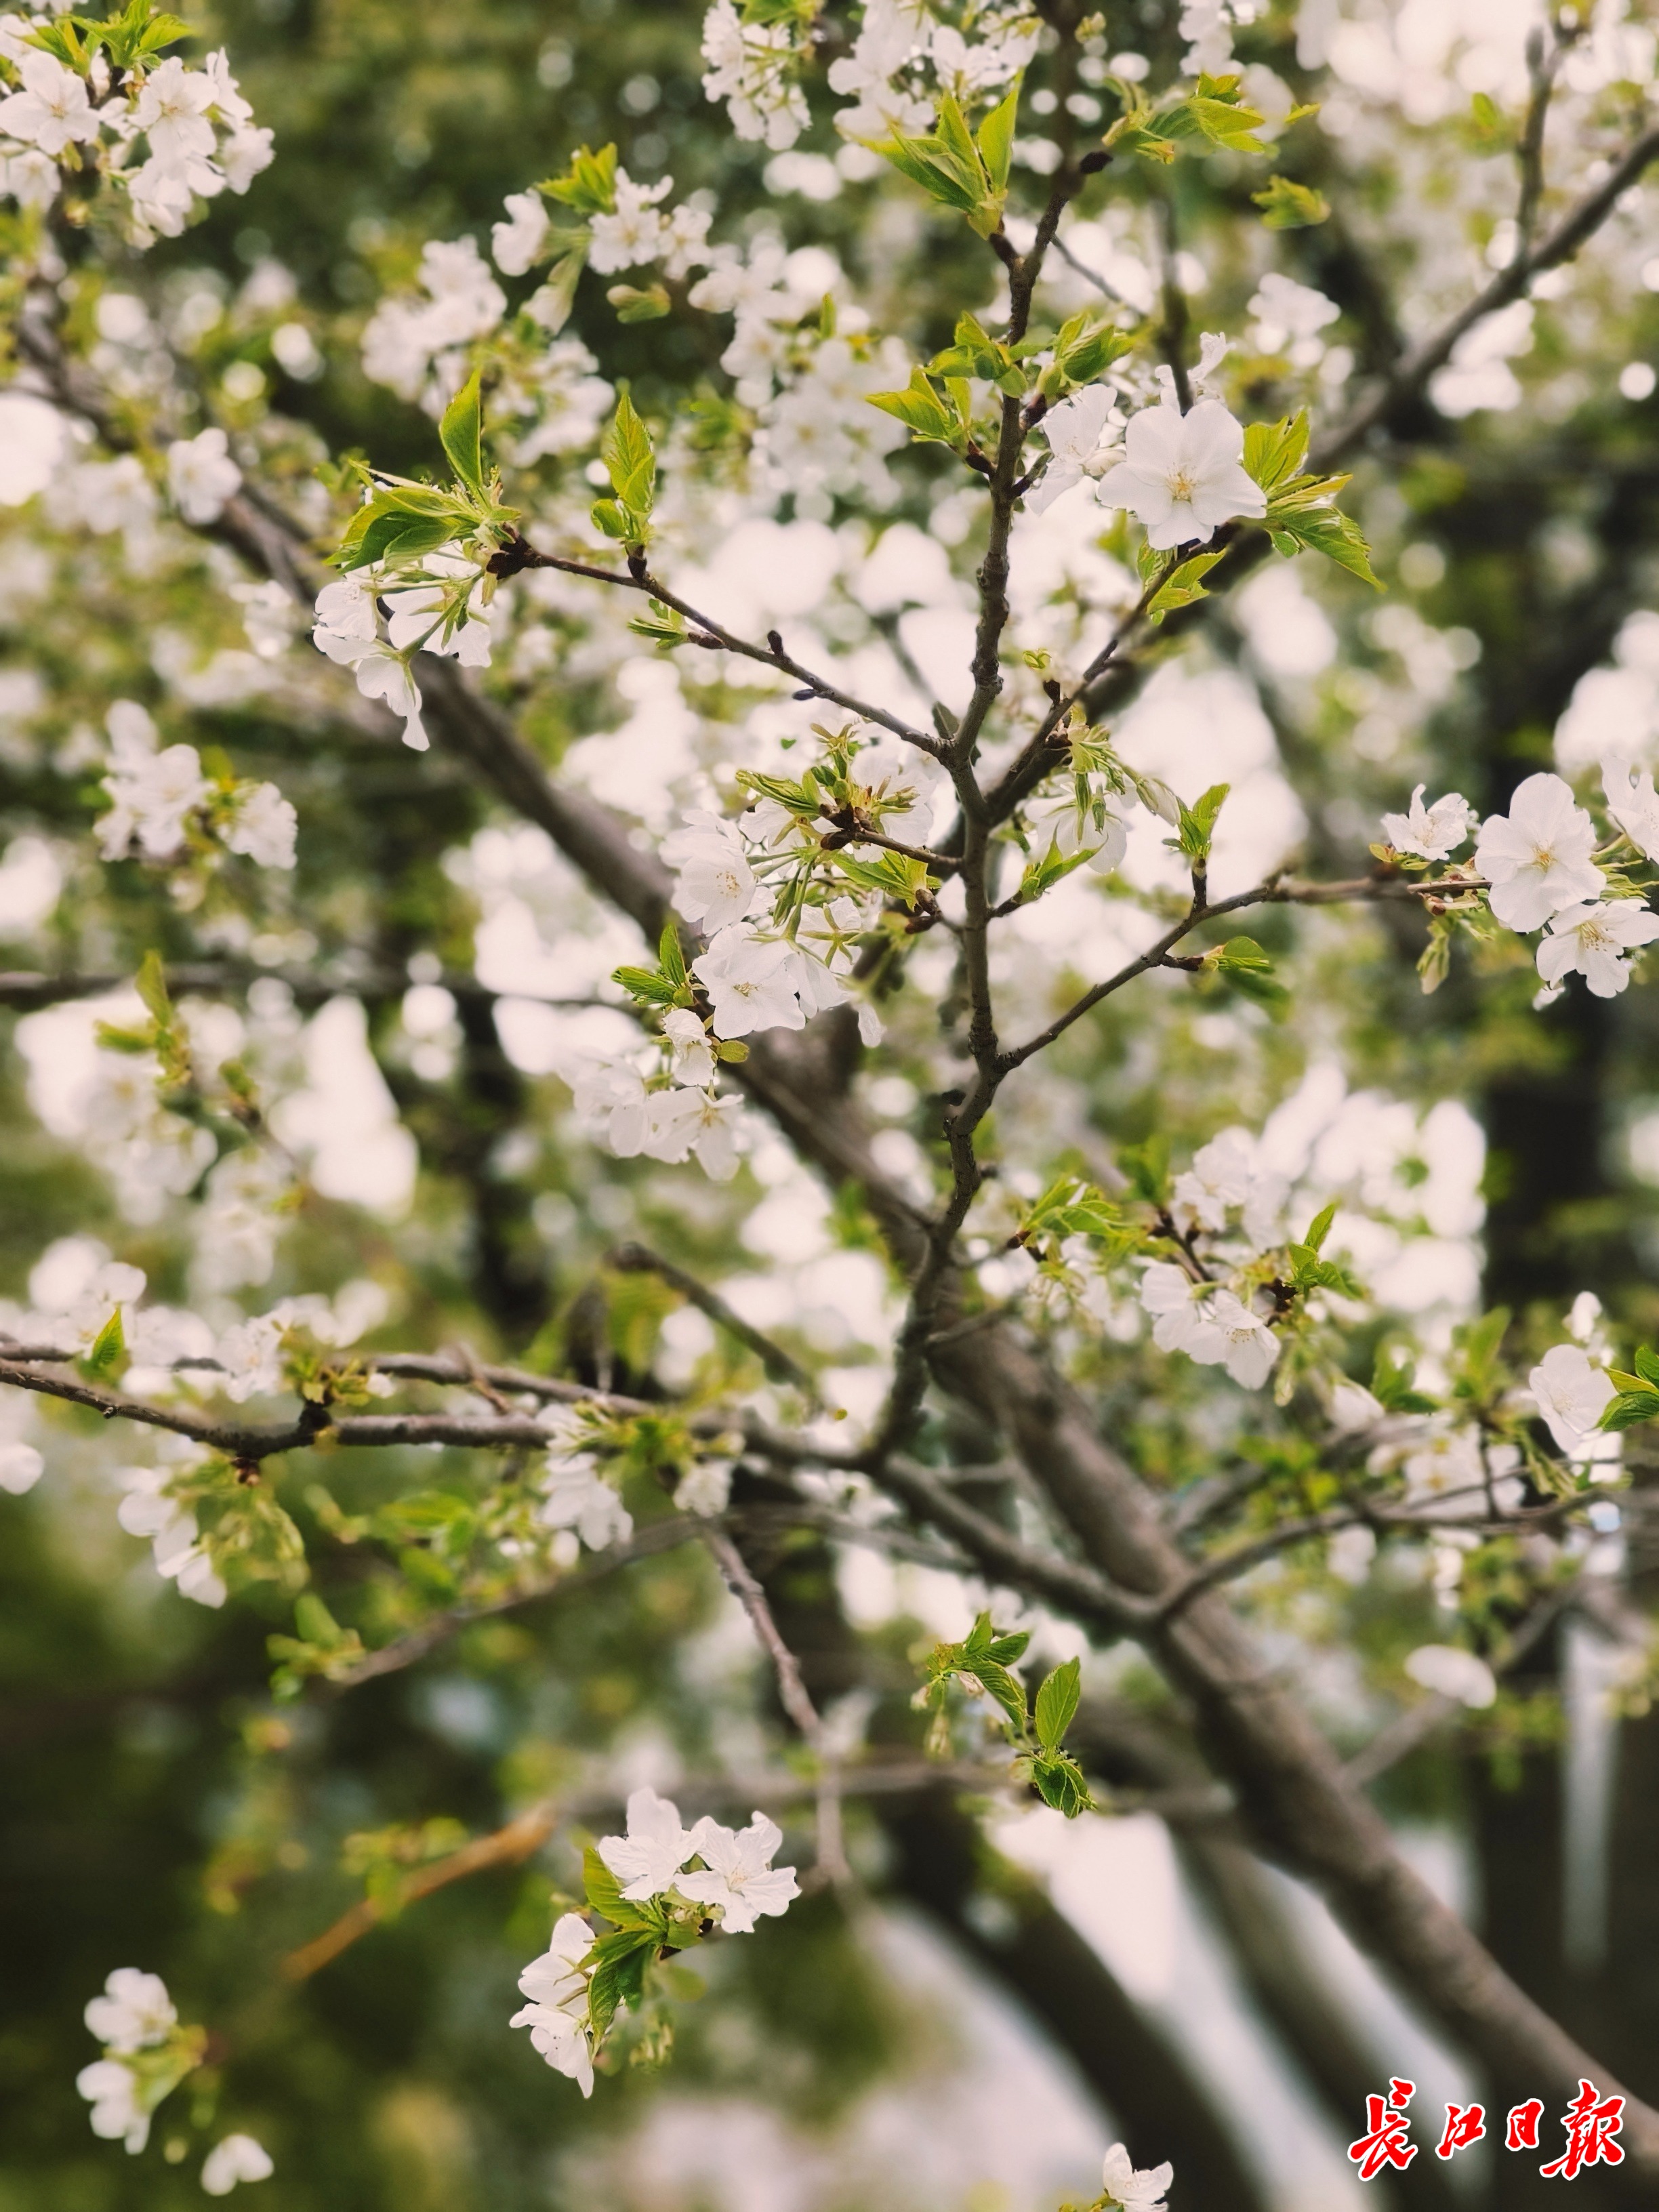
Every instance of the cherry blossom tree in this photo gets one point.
(641, 983)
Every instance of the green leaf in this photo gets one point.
(1058, 1782)
(1320, 1228)
(1057, 1702)
(1004, 1687)
(1286, 206)
(618, 1978)
(1148, 1166)
(921, 410)
(1325, 530)
(1183, 586)
(589, 184)
(610, 518)
(1198, 821)
(996, 137)
(1647, 1366)
(151, 985)
(604, 1893)
(630, 460)
(109, 1348)
(1225, 122)
(671, 958)
(633, 306)
(1087, 352)
(1275, 452)
(462, 432)
(662, 625)
(1629, 1407)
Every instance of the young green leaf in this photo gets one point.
(1286, 206)
(109, 1348)
(1058, 1782)
(604, 1893)
(1196, 828)
(1183, 586)
(1057, 1702)
(1320, 1228)
(461, 432)
(996, 138)
(151, 985)
(630, 460)
(589, 184)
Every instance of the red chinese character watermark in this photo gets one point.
(1384, 2143)
(1521, 2133)
(1591, 2129)
(1465, 2124)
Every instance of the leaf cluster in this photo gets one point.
(961, 168)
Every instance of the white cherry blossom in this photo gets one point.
(715, 885)
(1135, 2191)
(133, 2012)
(574, 1495)
(175, 1546)
(691, 1055)
(1171, 1297)
(683, 1121)
(648, 1858)
(748, 983)
(52, 109)
(517, 243)
(111, 2089)
(1634, 805)
(1537, 857)
(152, 793)
(557, 2015)
(266, 826)
(748, 69)
(201, 476)
(1085, 437)
(245, 155)
(1572, 1394)
(413, 613)
(172, 111)
(1451, 1672)
(706, 1488)
(612, 1098)
(739, 1876)
(635, 232)
(1432, 833)
(21, 1467)
(1249, 1348)
(1183, 475)
(236, 2159)
(1595, 942)
(345, 629)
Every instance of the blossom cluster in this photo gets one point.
(658, 1865)
(146, 2054)
(165, 135)
(1541, 872)
(903, 60)
(437, 608)
(160, 795)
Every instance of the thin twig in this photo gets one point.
(796, 1701)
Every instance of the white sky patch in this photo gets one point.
(1118, 1882)
(1196, 731)
(1612, 717)
(30, 881)
(345, 1119)
(34, 438)
(1289, 633)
